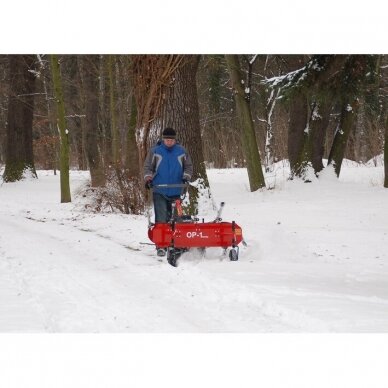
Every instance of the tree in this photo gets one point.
(297, 134)
(63, 132)
(151, 76)
(325, 80)
(112, 104)
(220, 132)
(132, 155)
(72, 90)
(347, 120)
(251, 152)
(386, 155)
(383, 119)
(19, 154)
(89, 65)
(181, 111)
(358, 72)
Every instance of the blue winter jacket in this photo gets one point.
(168, 165)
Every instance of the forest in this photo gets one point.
(102, 113)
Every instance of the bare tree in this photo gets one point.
(151, 76)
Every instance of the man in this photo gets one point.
(166, 163)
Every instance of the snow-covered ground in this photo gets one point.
(316, 261)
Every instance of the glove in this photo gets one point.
(148, 183)
(185, 181)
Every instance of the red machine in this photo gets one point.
(184, 232)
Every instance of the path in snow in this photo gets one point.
(63, 270)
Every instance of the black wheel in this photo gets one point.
(173, 255)
(233, 254)
(172, 260)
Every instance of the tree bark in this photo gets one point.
(312, 150)
(113, 121)
(181, 112)
(318, 128)
(386, 154)
(132, 156)
(19, 153)
(63, 132)
(72, 92)
(296, 132)
(251, 151)
(90, 67)
(337, 152)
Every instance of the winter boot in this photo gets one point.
(161, 252)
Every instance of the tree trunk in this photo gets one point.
(72, 93)
(132, 156)
(269, 133)
(181, 112)
(251, 152)
(318, 128)
(63, 132)
(90, 67)
(19, 153)
(112, 103)
(386, 154)
(217, 151)
(51, 149)
(337, 152)
(311, 155)
(297, 133)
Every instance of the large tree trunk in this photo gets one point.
(311, 154)
(296, 132)
(337, 152)
(19, 153)
(386, 154)
(63, 132)
(318, 128)
(181, 112)
(251, 151)
(90, 71)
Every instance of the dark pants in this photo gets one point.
(162, 206)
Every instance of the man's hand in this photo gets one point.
(148, 183)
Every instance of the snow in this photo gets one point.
(316, 261)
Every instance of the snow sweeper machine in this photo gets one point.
(184, 232)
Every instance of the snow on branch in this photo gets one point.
(299, 77)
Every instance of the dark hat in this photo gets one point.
(169, 133)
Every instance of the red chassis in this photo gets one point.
(196, 235)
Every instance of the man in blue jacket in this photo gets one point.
(166, 163)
